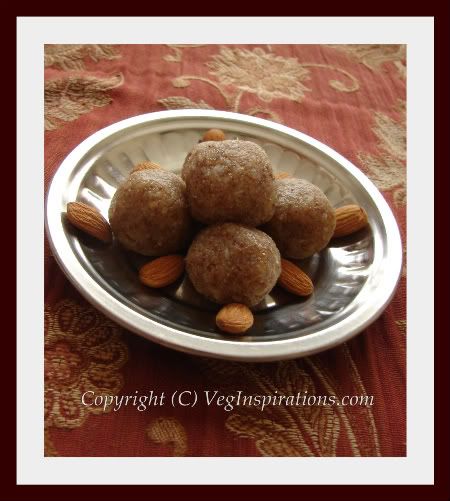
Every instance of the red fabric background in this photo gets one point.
(363, 117)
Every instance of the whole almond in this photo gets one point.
(282, 175)
(295, 280)
(234, 318)
(162, 271)
(349, 219)
(213, 135)
(145, 166)
(89, 220)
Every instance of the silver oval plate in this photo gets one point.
(354, 277)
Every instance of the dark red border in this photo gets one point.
(441, 490)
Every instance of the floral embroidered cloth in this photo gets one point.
(351, 97)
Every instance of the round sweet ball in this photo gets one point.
(149, 213)
(304, 219)
(231, 263)
(229, 181)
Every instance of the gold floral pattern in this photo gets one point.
(303, 430)
(307, 431)
(263, 73)
(66, 99)
(177, 54)
(401, 324)
(388, 170)
(49, 447)
(169, 431)
(181, 102)
(83, 352)
(374, 56)
(71, 57)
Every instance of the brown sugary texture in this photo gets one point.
(231, 263)
(149, 213)
(229, 181)
(304, 219)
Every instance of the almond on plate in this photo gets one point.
(294, 280)
(145, 166)
(349, 219)
(162, 271)
(234, 318)
(89, 220)
(213, 135)
(282, 175)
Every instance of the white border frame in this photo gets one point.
(32, 466)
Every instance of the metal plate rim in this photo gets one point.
(186, 342)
